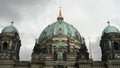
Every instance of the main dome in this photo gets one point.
(59, 28)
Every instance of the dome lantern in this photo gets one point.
(60, 15)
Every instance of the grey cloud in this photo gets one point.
(96, 50)
(25, 54)
(12, 9)
(23, 3)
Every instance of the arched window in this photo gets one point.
(5, 45)
(116, 46)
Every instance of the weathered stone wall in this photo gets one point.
(51, 64)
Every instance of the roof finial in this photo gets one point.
(12, 22)
(60, 15)
(108, 23)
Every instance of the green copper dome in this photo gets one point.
(60, 28)
(10, 29)
(110, 29)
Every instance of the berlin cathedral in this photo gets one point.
(60, 45)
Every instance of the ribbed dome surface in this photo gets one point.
(10, 29)
(59, 28)
(110, 29)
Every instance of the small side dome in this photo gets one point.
(110, 29)
(10, 29)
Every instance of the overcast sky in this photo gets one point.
(32, 16)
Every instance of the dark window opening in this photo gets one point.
(5, 45)
(116, 46)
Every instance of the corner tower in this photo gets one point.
(60, 41)
(9, 43)
(110, 43)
